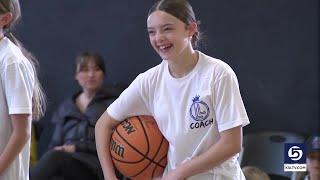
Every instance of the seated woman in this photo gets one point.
(72, 153)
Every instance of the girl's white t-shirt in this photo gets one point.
(16, 90)
(190, 111)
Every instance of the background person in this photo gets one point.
(72, 153)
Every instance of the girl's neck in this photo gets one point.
(88, 95)
(184, 63)
(83, 100)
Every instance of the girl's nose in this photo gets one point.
(91, 73)
(159, 37)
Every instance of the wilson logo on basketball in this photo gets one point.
(138, 149)
(127, 126)
(118, 149)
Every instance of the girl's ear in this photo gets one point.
(76, 76)
(5, 19)
(192, 28)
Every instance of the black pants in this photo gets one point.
(59, 165)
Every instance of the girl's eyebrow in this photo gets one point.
(164, 25)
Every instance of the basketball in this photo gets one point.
(138, 149)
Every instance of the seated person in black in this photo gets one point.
(72, 151)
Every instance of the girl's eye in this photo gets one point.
(96, 69)
(167, 29)
(150, 32)
(84, 69)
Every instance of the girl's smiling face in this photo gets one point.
(169, 36)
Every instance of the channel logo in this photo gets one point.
(294, 157)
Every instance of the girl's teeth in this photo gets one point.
(163, 47)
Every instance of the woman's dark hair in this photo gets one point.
(38, 98)
(83, 59)
(182, 10)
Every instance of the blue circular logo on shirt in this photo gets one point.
(199, 110)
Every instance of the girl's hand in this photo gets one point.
(174, 175)
(66, 148)
(69, 148)
(58, 148)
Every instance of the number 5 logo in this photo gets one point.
(295, 153)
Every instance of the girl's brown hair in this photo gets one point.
(83, 58)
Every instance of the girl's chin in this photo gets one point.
(92, 88)
(165, 56)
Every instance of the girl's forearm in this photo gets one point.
(103, 132)
(21, 124)
(227, 146)
(15, 144)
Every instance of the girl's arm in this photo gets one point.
(103, 131)
(21, 124)
(229, 144)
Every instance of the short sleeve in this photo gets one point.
(130, 102)
(18, 84)
(229, 108)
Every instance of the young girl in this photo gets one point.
(194, 98)
(21, 98)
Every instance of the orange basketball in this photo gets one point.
(138, 149)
